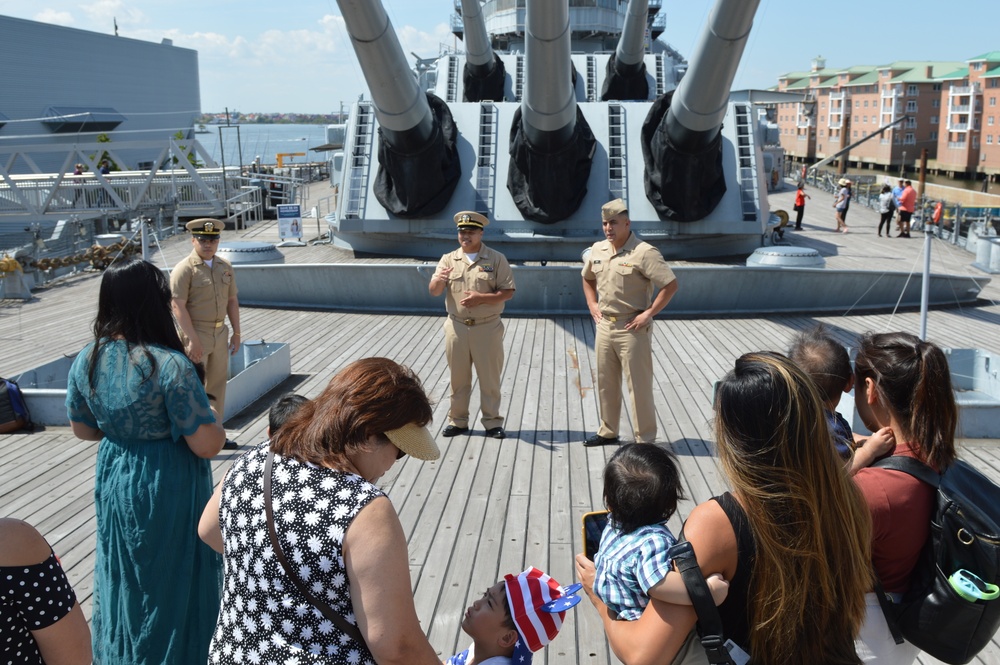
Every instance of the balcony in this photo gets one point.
(959, 109)
(957, 145)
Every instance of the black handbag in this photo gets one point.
(327, 611)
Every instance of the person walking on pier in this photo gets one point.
(907, 204)
(476, 281)
(203, 287)
(619, 277)
(842, 204)
(800, 204)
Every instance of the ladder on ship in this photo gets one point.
(486, 160)
(357, 183)
(660, 83)
(519, 78)
(591, 78)
(746, 159)
(617, 160)
(452, 78)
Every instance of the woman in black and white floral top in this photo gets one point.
(338, 531)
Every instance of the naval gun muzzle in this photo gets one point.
(551, 144)
(417, 139)
(625, 76)
(682, 138)
(484, 75)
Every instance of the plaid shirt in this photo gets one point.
(629, 564)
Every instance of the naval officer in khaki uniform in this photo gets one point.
(619, 278)
(203, 288)
(476, 281)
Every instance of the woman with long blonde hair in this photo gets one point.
(792, 537)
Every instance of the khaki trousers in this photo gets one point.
(215, 342)
(619, 350)
(480, 346)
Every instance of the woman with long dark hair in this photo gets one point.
(156, 585)
(792, 537)
(903, 383)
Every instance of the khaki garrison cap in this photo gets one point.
(612, 209)
(205, 226)
(470, 220)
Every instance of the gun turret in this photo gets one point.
(484, 75)
(418, 159)
(551, 144)
(625, 76)
(681, 134)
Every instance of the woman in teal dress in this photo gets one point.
(156, 585)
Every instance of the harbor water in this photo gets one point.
(228, 142)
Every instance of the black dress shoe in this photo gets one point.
(496, 433)
(230, 445)
(452, 430)
(598, 440)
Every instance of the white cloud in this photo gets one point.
(55, 17)
(106, 12)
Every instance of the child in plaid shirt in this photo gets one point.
(641, 490)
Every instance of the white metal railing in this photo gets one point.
(964, 108)
(957, 145)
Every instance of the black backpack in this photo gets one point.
(14, 414)
(965, 534)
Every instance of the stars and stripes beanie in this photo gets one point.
(538, 605)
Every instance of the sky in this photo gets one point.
(295, 56)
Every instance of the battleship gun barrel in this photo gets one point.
(478, 52)
(418, 161)
(548, 109)
(682, 135)
(700, 100)
(632, 44)
(401, 107)
(625, 76)
(484, 74)
(551, 144)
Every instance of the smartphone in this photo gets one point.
(593, 527)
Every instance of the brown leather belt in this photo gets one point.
(474, 322)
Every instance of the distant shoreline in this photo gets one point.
(212, 119)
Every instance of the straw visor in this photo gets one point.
(415, 441)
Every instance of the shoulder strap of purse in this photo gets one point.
(328, 612)
(701, 598)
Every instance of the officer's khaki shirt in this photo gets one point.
(488, 274)
(206, 291)
(626, 279)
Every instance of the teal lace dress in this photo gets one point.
(156, 585)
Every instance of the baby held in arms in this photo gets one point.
(641, 490)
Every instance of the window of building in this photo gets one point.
(822, 132)
(73, 119)
(933, 136)
(934, 120)
(911, 106)
(866, 103)
(975, 123)
(989, 139)
(935, 103)
(989, 121)
(855, 133)
(936, 87)
(822, 105)
(911, 121)
(975, 141)
(857, 103)
(909, 139)
(993, 101)
(911, 89)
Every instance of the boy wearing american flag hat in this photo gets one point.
(515, 618)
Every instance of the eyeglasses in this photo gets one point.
(205, 240)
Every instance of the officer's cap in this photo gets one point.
(205, 226)
(470, 220)
(612, 209)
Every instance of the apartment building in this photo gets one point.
(969, 142)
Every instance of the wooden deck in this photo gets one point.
(486, 507)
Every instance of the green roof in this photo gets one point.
(992, 56)
(865, 79)
(957, 74)
(829, 83)
(991, 73)
(801, 84)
